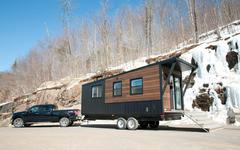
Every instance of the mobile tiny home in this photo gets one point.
(140, 97)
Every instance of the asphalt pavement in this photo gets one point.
(107, 137)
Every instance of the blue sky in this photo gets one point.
(23, 23)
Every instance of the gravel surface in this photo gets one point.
(106, 137)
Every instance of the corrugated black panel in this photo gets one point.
(97, 107)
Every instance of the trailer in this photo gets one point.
(138, 98)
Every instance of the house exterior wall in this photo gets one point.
(151, 86)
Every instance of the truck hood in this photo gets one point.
(19, 113)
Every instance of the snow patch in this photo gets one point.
(131, 64)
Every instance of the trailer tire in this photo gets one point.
(154, 124)
(132, 123)
(143, 124)
(121, 123)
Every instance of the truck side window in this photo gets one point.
(46, 108)
(136, 86)
(97, 91)
(34, 109)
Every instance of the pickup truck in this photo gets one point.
(45, 113)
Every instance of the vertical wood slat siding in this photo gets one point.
(151, 86)
(166, 99)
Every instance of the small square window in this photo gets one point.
(117, 88)
(97, 91)
(136, 86)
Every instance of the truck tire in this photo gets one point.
(132, 123)
(143, 124)
(121, 123)
(18, 123)
(64, 122)
(154, 124)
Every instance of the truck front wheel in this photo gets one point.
(18, 122)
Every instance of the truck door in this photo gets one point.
(46, 113)
(33, 114)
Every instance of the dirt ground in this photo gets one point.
(107, 137)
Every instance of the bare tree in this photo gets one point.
(66, 17)
(148, 25)
(192, 12)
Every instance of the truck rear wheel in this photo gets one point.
(132, 123)
(154, 124)
(121, 123)
(64, 122)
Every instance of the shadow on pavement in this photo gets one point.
(113, 126)
(160, 128)
(50, 126)
(190, 129)
(106, 126)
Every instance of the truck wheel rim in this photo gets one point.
(120, 124)
(131, 124)
(64, 122)
(18, 122)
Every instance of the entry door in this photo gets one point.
(176, 93)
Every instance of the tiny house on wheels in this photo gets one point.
(140, 97)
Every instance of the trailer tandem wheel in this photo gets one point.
(121, 123)
(132, 123)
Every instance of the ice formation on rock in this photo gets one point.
(212, 70)
(217, 105)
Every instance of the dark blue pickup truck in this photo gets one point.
(45, 113)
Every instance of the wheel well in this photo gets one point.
(63, 117)
(18, 117)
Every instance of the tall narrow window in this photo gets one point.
(97, 91)
(136, 86)
(117, 88)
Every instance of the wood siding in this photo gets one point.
(167, 99)
(151, 85)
